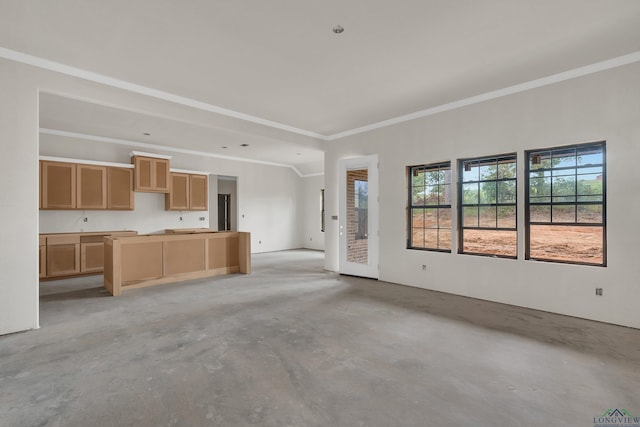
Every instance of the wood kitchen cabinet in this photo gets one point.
(187, 192)
(139, 261)
(63, 255)
(91, 189)
(151, 174)
(74, 254)
(91, 254)
(120, 188)
(178, 197)
(57, 185)
(199, 192)
(85, 186)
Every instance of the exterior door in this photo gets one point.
(359, 241)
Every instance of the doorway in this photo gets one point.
(358, 227)
(227, 203)
(224, 212)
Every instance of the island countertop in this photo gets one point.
(146, 260)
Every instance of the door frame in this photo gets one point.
(371, 269)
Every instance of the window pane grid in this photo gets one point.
(569, 181)
(565, 204)
(487, 209)
(430, 206)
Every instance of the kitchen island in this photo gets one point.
(138, 261)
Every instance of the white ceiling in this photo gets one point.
(85, 120)
(280, 61)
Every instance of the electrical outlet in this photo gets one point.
(201, 218)
(599, 292)
(180, 218)
(424, 267)
(86, 219)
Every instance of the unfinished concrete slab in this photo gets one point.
(294, 345)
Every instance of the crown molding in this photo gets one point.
(86, 162)
(143, 90)
(145, 154)
(521, 87)
(309, 175)
(187, 171)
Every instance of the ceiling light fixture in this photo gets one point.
(338, 29)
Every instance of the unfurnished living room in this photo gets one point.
(337, 213)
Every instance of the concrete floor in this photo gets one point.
(293, 345)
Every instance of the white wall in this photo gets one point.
(312, 236)
(149, 215)
(18, 200)
(267, 194)
(213, 202)
(257, 186)
(602, 106)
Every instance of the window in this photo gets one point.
(430, 207)
(487, 206)
(361, 208)
(565, 204)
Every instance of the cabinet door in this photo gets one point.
(151, 174)
(178, 197)
(143, 171)
(63, 260)
(91, 257)
(91, 187)
(58, 185)
(120, 188)
(161, 175)
(198, 192)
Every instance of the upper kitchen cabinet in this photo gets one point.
(188, 192)
(57, 185)
(151, 173)
(91, 189)
(85, 185)
(120, 188)
(198, 192)
(178, 197)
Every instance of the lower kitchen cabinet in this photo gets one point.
(63, 255)
(72, 254)
(91, 255)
